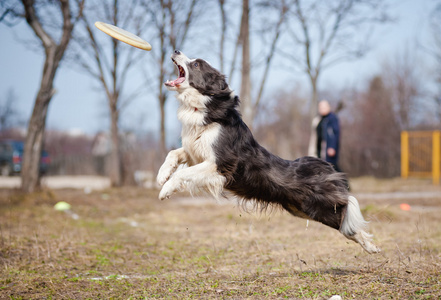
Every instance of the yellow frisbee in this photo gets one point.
(123, 36)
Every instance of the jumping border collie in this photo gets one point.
(222, 155)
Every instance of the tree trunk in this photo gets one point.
(163, 147)
(115, 156)
(161, 96)
(223, 31)
(162, 99)
(312, 146)
(54, 52)
(30, 173)
(314, 98)
(245, 87)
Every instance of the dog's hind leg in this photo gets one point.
(171, 163)
(203, 176)
(353, 225)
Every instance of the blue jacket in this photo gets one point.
(329, 130)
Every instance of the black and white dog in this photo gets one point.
(221, 154)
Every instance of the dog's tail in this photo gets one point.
(353, 220)
(353, 225)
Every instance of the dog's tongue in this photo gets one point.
(175, 82)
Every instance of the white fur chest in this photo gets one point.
(197, 138)
(192, 107)
(198, 141)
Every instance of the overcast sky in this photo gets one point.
(77, 106)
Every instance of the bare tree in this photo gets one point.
(110, 62)
(372, 145)
(281, 10)
(245, 86)
(401, 78)
(329, 32)
(285, 129)
(223, 33)
(435, 50)
(42, 17)
(250, 103)
(171, 22)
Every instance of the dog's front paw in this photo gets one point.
(169, 188)
(164, 174)
(164, 194)
(162, 178)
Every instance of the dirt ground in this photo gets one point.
(126, 244)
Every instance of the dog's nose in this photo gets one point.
(177, 52)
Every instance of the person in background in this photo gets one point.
(328, 135)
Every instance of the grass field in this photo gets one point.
(126, 244)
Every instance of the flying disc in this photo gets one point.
(123, 36)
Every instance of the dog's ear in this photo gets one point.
(206, 79)
(216, 84)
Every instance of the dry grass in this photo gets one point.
(129, 245)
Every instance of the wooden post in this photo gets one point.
(436, 153)
(404, 154)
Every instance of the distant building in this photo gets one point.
(101, 148)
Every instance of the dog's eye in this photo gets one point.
(195, 65)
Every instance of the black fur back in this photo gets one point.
(309, 185)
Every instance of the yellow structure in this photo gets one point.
(421, 154)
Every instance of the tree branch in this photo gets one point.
(34, 23)
(307, 42)
(284, 10)
(97, 57)
(187, 23)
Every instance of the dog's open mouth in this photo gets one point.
(180, 79)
